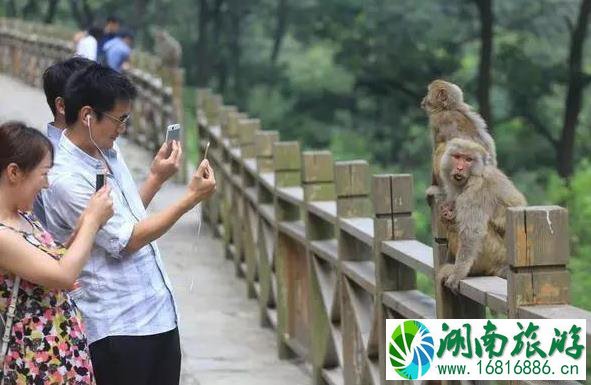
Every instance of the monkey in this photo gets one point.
(450, 117)
(477, 197)
(166, 47)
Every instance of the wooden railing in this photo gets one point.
(27, 49)
(330, 252)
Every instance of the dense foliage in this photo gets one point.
(349, 75)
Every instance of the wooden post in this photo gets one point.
(318, 176)
(246, 131)
(232, 129)
(287, 166)
(225, 112)
(393, 203)
(352, 189)
(318, 185)
(263, 142)
(538, 253)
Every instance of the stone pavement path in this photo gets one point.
(221, 339)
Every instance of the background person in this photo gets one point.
(118, 50)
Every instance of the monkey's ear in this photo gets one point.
(442, 97)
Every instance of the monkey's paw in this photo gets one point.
(431, 193)
(450, 277)
(447, 211)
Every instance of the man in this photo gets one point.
(125, 295)
(54, 82)
(118, 51)
(110, 31)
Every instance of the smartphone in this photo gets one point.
(173, 132)
(100, 181)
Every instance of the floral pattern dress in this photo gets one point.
(47, 344)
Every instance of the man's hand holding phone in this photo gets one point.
(167, 161)
(202, 185)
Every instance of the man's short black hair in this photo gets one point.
(96, 86)
(56, 76)
(113, 19)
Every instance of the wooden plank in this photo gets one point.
(251, 166)
(267, 210)
(216, 131)
(268, 180)
(297, 347)
(556, 382)
(326, 249)
(236, 154)
(412, 253)
(360, 228)
(363, 273)
(333, 376)
(295, 230)
(488, 291)
(294, 195)
(326, 210)
(557, 312)
(236, 181)
(412, 304)
(251, 194)
(272, 316)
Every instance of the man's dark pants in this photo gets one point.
(137, 360)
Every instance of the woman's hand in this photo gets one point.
(100, 207)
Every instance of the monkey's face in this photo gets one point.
(462, 164)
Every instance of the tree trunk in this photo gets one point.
(88, 14)
(574, 98)
(31, 9)
(280, 30)
(10, 8)
(236, 15)
(51, 8)
(202, 45)
(219, 58)
(140, 9)
(485, 11)
(76, 13)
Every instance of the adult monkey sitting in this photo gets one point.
(477, 197)
(450, 117)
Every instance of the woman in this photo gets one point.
(47, 344)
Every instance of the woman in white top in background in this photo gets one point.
(87, 43)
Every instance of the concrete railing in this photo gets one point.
(27, 49)
(329, 251)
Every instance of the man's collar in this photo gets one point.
(67, 145)
(53, 132)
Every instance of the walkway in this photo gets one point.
(220, 334)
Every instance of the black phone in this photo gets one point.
(100, 181)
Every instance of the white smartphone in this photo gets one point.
(173, 132)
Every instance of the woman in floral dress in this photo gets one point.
(47, 343)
